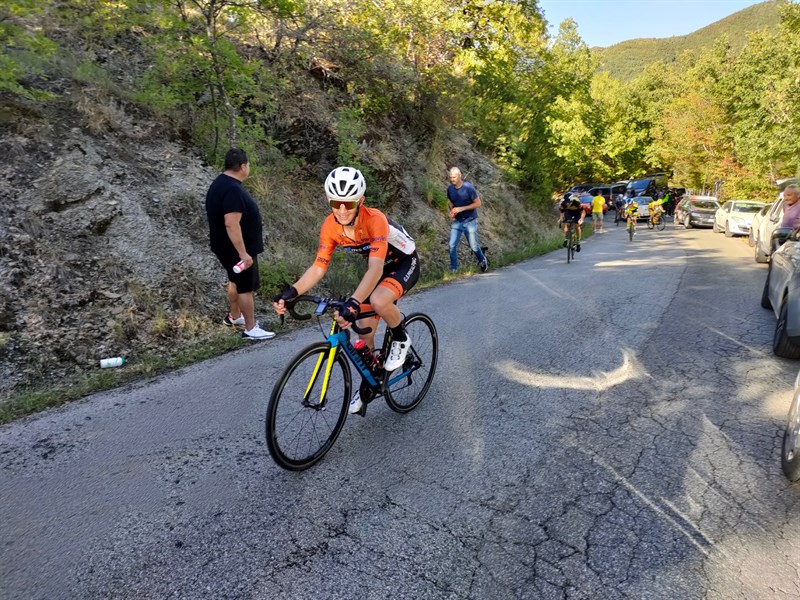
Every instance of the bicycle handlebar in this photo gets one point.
(323, 305)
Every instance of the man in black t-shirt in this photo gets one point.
(234, 224)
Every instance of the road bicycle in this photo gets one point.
(572, 240)
(660, 223)
(631, 227)
(309, 403)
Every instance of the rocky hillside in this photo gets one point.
(103, 242)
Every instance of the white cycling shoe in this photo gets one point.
(397, 355)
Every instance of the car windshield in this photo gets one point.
(639, 184)
(746, 208)
(705, 204)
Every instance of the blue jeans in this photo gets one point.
(470, 231)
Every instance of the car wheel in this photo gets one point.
(751, 241)
(790, 450)
(728, 232)
(686, 222)
(782, 344)
(765, 303)
(760, 256)
(714, 227)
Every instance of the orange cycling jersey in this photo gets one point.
(375, 236)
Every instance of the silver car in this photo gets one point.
(782, 294)
(735, 216)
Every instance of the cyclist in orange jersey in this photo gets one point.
(392, 264)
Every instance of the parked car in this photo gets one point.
(680, 210)
(763, 237)
(698, 211)
(648, 185)
(586, 202)
(734, 217)
(782, 294)
(579, 188)
(790, 449)
(757, 218)
(643, 211)
(609, 192)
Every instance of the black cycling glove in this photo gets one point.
(350, 310)
(286, 295)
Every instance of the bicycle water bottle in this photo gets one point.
(364, 352)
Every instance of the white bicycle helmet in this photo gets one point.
(345, 183)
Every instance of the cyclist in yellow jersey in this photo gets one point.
(655, 210)
(631, 211)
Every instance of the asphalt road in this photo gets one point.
(605, 429)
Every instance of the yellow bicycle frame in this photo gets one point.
(328, 368)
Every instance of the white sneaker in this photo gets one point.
(355, 403)
(229, 320)
(397, 355)
(256, 333)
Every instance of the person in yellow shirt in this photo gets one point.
(598, 202)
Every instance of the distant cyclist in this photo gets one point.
(392, 264)
(619, 204)
(572, 212)
(631, 210)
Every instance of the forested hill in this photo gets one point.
(628, 59)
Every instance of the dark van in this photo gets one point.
(649, 184)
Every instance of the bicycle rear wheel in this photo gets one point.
(301, 423)
(406, 387)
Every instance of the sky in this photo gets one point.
(607, 22)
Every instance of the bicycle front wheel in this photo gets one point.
(308, 407)
(650, 223)
(631, 230)
(662, 223)
(406, 387)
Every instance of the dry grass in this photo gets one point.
(101, 112)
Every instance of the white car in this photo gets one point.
(754, 225)
(642, 202)
(763, 237)
(735, 216)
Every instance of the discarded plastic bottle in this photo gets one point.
(117, 361)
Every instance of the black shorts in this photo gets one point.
(246, 281)
(400, 276)
(572, 218)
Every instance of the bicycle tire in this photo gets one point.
(790, 449)
(570, 242)
(661, 224)
(300, 433)
(631, 230)
(406, 387)
(650, 223)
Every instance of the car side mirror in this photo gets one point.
(780, 235)
(774, 218)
